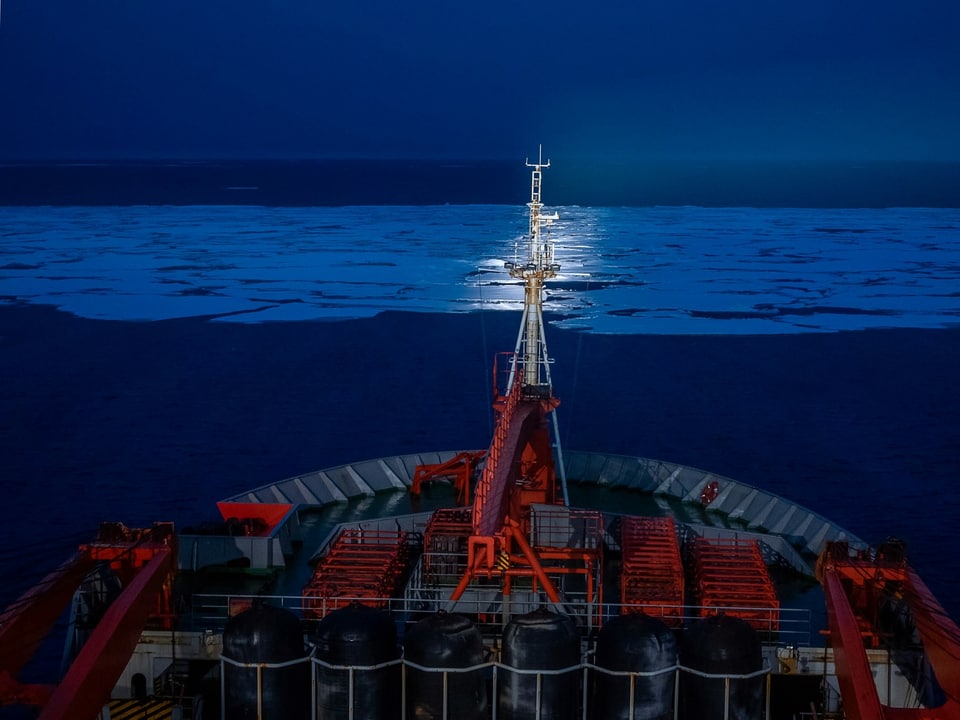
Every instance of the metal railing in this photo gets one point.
(213, 610)
(495, 674)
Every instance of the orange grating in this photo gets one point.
(445, 542)
(730, 575)
(369, 566)
(652, 572)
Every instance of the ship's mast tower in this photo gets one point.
(530, 352)
(520, 468)
(531, 347)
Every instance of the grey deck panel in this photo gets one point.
(344, 482)
(735, 503)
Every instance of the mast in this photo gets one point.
(531, 347)
(520, 466)
(530, 351)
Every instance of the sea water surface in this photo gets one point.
(678, 272)
(635, 270)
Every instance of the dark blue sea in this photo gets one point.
(174, 333)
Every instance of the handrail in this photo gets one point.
(497, 669)
(795, 624)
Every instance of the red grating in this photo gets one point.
(365, 565)
(652, 572)
(730, 575)
(445, 542)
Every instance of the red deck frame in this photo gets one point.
(652, 571)
(368, 566)
(731, 576)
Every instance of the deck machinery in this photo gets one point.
(143, 643)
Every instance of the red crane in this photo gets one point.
(853, 586)
(144, 561)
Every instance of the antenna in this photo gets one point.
(531, 348)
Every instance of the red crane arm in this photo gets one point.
(941, 640)
(514, 426)
(940, 634)
(86, 687)
(860, 698)
(27, 621)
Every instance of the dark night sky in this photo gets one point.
(662, 80)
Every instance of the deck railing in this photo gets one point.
(211, 611)
(495, 675)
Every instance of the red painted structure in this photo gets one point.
(516, 459)
(144, 561)
(519, 472)
(367, 566)
(254, 518)
(730, 575)
(459, 469)
(445, 544)
(854, 586)
(652, 571)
